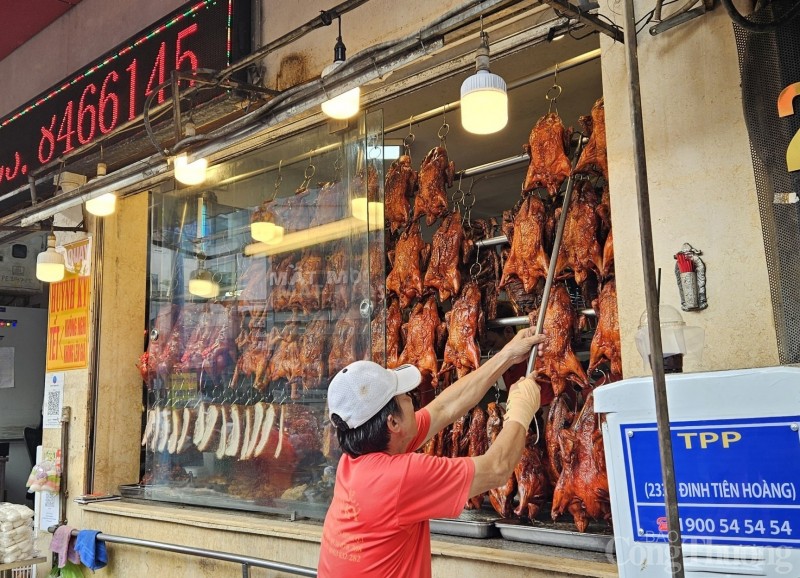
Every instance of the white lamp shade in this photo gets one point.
(263, 231)
(103, 205)
(484, 103)
(193, 173)
(369, 211)
(343, 106)
(50, 263)
(202, 284)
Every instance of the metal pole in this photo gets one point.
(551, 272)
(65, 417)
(654, 321)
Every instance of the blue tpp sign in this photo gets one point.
(737, 481)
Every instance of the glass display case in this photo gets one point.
(264, 282)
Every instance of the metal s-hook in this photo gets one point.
(307, 175)
(444, 129)
(409, 140)
(553, 93)
(278, 181)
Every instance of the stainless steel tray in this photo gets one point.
(541, 533)
(463, 528)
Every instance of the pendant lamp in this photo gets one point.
(346, 104)
(50, 263)
(484, 99)
(104, 205)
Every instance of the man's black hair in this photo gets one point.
(372, 436)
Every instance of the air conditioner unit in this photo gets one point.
(18, 266)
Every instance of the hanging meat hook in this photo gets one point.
(553, 93)
(444, 129)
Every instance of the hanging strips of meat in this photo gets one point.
(527, 260)
(464, 322)
(435, 174)
(446, 253)
(558, 361)
(405, 279)
(580, 249)
(549, 165)
(401, 181)
(606, 341)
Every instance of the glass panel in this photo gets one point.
(263, 282)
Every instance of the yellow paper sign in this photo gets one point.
(68, 319)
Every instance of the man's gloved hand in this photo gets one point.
(524, 399)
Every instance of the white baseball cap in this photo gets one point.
(360, 390)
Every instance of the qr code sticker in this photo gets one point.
(53, 403)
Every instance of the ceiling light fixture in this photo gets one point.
(346, 104)
(105, 204)
(266, 232)
(484, 99)
(190, 171)
(50, 263)
(202, 282)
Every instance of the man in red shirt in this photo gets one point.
(385, 495)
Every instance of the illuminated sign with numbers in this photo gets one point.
(112, 90)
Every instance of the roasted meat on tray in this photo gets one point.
(582, 488)
(527, 260)
(580, 248)
(594, 157)
(435, 176)
(464, 323)
(405, 278)
(401, 182)
(549, 165)
(558, 361)
(606, 342)
(447, 251)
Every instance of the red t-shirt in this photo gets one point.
(377, 525)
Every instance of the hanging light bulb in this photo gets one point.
(50, 263)
(347, 104)
(190, 173)
(484, 100)
(202, 283)
(103, 205)
(266, 232)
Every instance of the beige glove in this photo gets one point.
(523, 401)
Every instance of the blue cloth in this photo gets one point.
(91, 550)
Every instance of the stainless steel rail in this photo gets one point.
(247, 562)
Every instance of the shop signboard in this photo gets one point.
(737, 481)
(109, 92)
(68, 311)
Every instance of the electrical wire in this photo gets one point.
(760, 27)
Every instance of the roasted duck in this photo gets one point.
(394, 325)
(606, 343)
(336, 290)
(255, 350)
(527, 260)
(478, 444)
(435, 174)
(594, 157)
(401, 181)
(279, 281)
(421, 336)
(284, 358)
(559, 417)
(502, 498)
(343, 343)
(531, 479)
(608, 256)
(220, 351)
(487, 275)
(308, 277)
(558, 362)
(447, 251)
(582, 488)
(464, 323)
(405, 278)
(311, 367)
(549, 165)
(330, 204)
(580, 249)
(459, 442)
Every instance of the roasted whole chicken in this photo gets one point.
(464, 322)
(558, 361)
(582, 488)
(447, 252)
(559, 417)
(421, 335)
(308, 277)
(435, 175)
(502, 498)
(405, 278)
(527, 260)
(606, 343)
(478, 444)
(594, 157)
(401, 182)
(580, 249)
(531, 479)
(549, 165)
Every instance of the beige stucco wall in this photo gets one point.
(702, 189)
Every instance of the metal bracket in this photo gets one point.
(674, 21)
(590, 20)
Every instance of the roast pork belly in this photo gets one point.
(549, 165)
(401, 181)
(435, 175)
